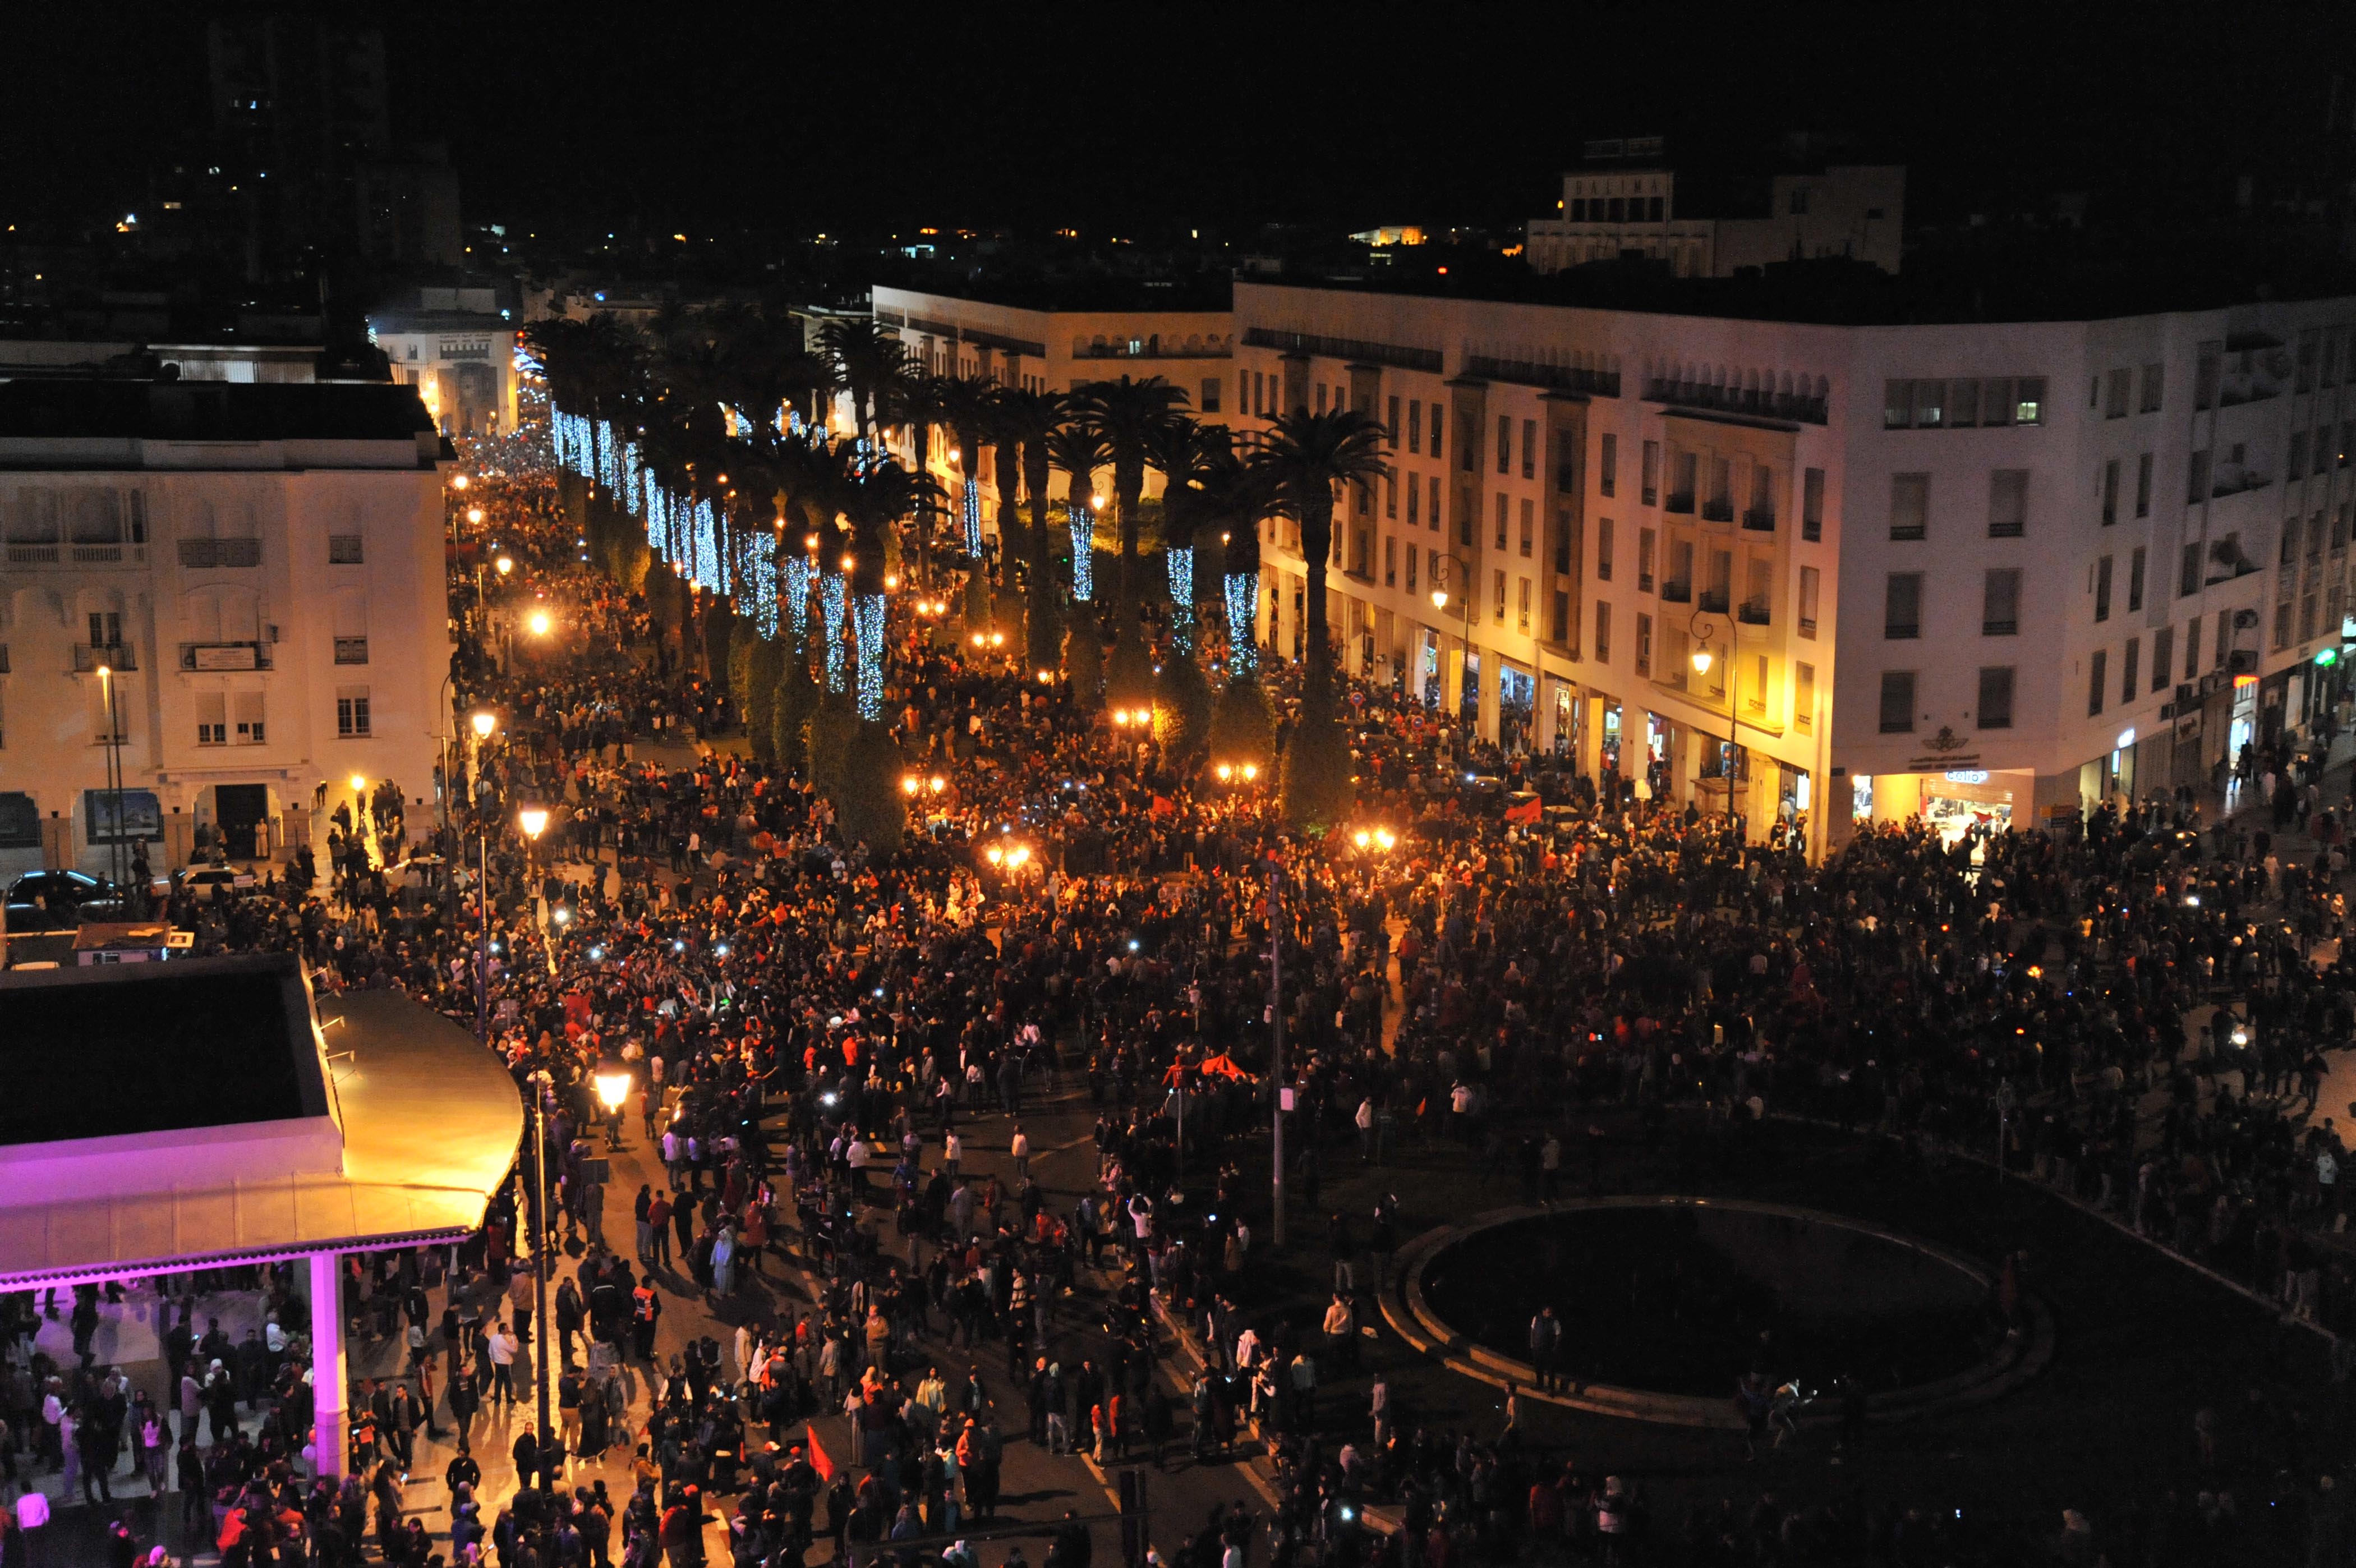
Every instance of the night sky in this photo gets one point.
(1169, 117)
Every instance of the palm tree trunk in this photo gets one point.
(1129, 490)
(1317, 543)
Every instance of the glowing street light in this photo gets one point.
(613, 1088)
(475, 515)
(533, 821)
(1439, 599)
(506, 564)
(995, 855)
(540, 623)
(458, 481)
(909, 785)
(1701, 660)
(484, 723)
(937, 784)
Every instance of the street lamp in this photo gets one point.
(115, 775)
(1701, 662)
(540, 623)
(506, 564)
(612, 1089)
(475, 515)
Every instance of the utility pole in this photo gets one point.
(1276, 1018)
(540, 1260)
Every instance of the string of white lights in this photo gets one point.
(1243, 596)
(1083, 524)
(830, 603)
(868, 623)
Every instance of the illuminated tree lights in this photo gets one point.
(797, 587)
(761, 583)
(830, 592)
(1083, 524)
(707, 539)
(972, 520)
(1180, 562)
(1243, 598)
(868, 624)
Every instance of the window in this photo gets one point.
(1901, 607)
(250, 731)
(2000, 603)
(1390, 561)
(2192, 647)
(2007, 503)
(2129, 668)
(1603, 550)
(1677, 579)
(1415, 426)
(1643, 560)
(1812, 504)
(351, 650)
(1501, 520)
(2116, 406)
(1930, 404)
(1523, 625)
(344, 550)
(1607, 469)
(105, 628)
(212, 718)
(2102, 590)
(1561, 633)
(1414, 502)
(1529, 527)
(2134, 580)
(1434, 494)
(1321, 397)
(1212, 386)
(2096, 681)
(1414, 558)
(1897, 701)
(1811, 587)
(1995, 708)
(1803, 696)
(1643, 644)
(351, 711)
(1529, 448)
(2163, 656)
(2188, 579)
(1500, 576)
(1897, 404)
(1963, 405)
(1435, 432)
(2154, 378)
(1504, 443)
(1909, 506)
(1603, 631)
(1682, 468)
(1651, 476)
(1996, 400)
(1390, 423)
(2143, 485)
(2029, 400)
(2110, 492)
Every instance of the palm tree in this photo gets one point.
(965, 403)
(1127, 412)
(923, 402)
(1080, 450)
(1032, 416)
(1304, 458)
(881, 494)
(1234, 496)
(870, 360)
(1182, 451)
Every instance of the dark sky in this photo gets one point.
(1110, 116)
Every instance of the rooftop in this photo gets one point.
(225, 412)
(1090, 295)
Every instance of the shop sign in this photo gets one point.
(1946, 749)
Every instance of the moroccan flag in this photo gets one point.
(1163, 806)
(819, 1461)
(1527, 811)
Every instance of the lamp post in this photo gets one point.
(484, 722)
(1701, 660)
(540, 1260)
(533, 821)
(613, 1088)
(1462, 574)
(113, 774)
(1276, 1021)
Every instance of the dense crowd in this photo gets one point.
(814, 1031)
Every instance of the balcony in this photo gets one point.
(1753, 613)
(1808, 626)
(1759, 520)
(1717, 511)
(34, 553)
(1677, 592)
(1754, 401)
(88, 661)
(1684, 503)
(1397, 355)
(1151, 348)
(1713, 601)
(1593, 380)
(351, 650)
(210, 656)
(202, 554)
(73, 552)
(2006, 627)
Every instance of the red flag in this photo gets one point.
(1163, 806)
(1527, 811)
(819, 1461)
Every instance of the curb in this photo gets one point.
(1411, 1318)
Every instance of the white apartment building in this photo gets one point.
(258, 570)
(1050, 350)
(459, 349)
(1607, 212)
(2000, 570)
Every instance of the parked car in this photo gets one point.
(212, 881)
(60, 900)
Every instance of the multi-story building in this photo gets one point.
(219, 603)
(1622, 201)
(457, 348)
(1044, 344)
(1929, 572)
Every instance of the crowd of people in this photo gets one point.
(2131, 1014)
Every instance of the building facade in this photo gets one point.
(459, 349)
(219, 603)
(1611, 208)
(1992, 571)
(1058, 350)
